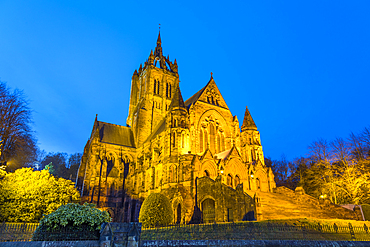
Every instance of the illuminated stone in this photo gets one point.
(167, 144)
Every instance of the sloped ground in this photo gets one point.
(288, 205)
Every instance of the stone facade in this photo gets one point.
(167, 144)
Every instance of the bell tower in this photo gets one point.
(152, 90)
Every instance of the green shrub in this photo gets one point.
(366, 211)
(156, 211)
(71, 218)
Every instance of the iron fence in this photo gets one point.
(257, 231)
(66, 234)
(17, 231)
(27, 232)
(219, 231)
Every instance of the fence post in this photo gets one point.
(351, 231)
(335, 228)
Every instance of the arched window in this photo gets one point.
(237, 180)
(183, 140)
(212, 137)
(171, 173)
(222, 142)
(155, 86)
(201, 144)
(205, 138)
(174, 139)
(229, 180)
(168, 90)
(219, 143)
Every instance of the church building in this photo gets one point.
(192, 151)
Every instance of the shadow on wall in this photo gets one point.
(249, 216)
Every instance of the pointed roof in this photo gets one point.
(201, 95)
(248, 123)
(177, 100)
(159, 42)
(158, 49)
(196, 96)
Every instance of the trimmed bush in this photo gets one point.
(366, 211)
(71, 222)
(156, 211)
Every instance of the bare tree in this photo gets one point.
(357, 147)
(320, 151)
(341, 150)
(19, 144)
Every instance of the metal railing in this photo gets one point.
(17, 231)
(25, 232)
(219, 231)
(257, 231)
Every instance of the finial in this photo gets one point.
(159, 27)
(211, 75)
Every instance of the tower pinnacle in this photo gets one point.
(248, 123)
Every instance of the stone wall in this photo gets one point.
(333, 210)
(227, 204)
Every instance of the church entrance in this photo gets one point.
(258, 184)
(178, 218)
(208, 207)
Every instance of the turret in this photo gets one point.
(251, 142)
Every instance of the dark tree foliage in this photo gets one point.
(18, 142)
(282, 170)
(64, 166)
(73, 165)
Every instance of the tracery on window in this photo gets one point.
(212, 97)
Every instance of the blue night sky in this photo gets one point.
(301, 67)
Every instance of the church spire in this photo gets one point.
(159, 42)
(248, 123)
(158, 49)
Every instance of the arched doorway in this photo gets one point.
(178, 214)
(208, 207)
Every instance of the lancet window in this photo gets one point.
(183, 140)
(174, 139)
(168, 90)
(212, 137)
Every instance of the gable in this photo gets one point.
(210, 94)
